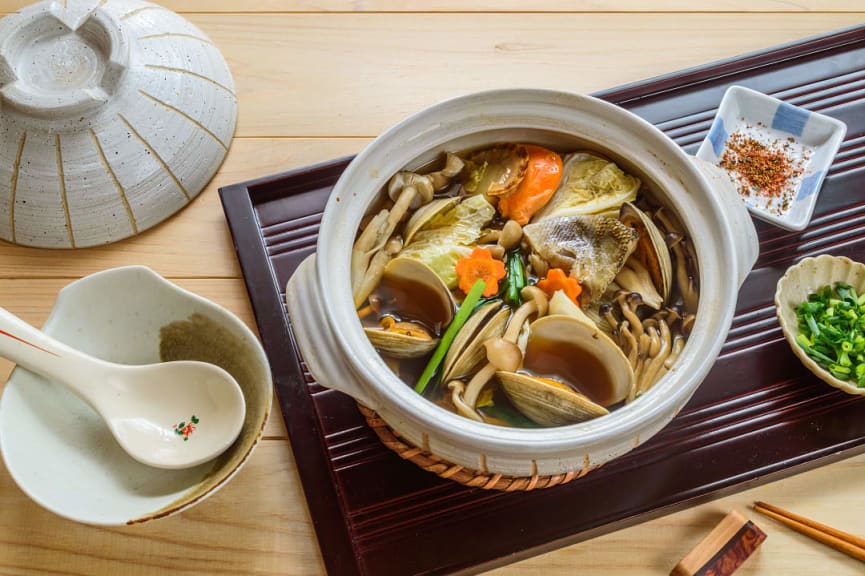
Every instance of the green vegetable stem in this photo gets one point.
(515, 280)
(466, 309)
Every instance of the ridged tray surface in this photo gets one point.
(758, 416)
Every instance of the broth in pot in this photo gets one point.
(523, 286)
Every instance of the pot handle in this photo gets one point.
(315, 337)
(741, 225)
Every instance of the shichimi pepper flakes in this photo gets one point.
(764, 169)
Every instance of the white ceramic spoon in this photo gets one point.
(169, 415)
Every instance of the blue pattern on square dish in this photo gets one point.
(718, 136)
(810, 185)
(789, 118)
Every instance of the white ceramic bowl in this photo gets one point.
(339, 355)
(794, 287)
(813, 136)
(61, 453)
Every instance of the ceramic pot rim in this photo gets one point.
(502, 109)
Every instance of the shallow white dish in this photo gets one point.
(61, 453)
(813, 139)
(799, 282)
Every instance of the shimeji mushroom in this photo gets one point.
(628, 303)
(502, 353)
(675, 239)
(364, 248)
(374, 272)
(653, 364)
(505, 239)
(408, 191)
(655, 343)
(634, 277)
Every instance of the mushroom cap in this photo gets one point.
(536, 295)
(453, 166)
(504, 355)
(510, 235)
(422, 185)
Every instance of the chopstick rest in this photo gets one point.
(842, 541)
(726, 547)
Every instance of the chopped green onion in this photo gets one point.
(832, 331)
(466, 309)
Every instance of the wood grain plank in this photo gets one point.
(356, 97)
(196, 241)
(269, 6)
(656, 546)
(355, 75)
(32, 300)
(257, 524)
(333, 75)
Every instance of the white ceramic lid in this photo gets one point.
(114, 114)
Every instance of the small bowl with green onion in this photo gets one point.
(820, 304)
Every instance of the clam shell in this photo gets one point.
(552, 404)
(115, 115)
(651, 250)
(398, 344)
(414, 271)
(794, 288)
(548, 403)
(467, 352)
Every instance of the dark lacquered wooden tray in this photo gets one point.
(758, 416)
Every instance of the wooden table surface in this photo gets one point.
(316, 79)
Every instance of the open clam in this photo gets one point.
(400, 339)
(413, 293)
(571, 372)
(467, 352)
(651, 258)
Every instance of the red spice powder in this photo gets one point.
(764, 169)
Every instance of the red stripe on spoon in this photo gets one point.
(28, 343)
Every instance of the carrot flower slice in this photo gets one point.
(480, 266)
(557, 280)
(543, 174)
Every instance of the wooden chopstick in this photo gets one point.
(842, 541)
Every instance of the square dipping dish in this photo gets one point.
(751, 133)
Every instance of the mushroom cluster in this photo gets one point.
(375, 246)
(502, 353)
(651, 343)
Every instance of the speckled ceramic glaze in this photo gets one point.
(61, 453)
(113, 116)
(340, 356)
(799, 282)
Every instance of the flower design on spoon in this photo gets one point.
(186, 429)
